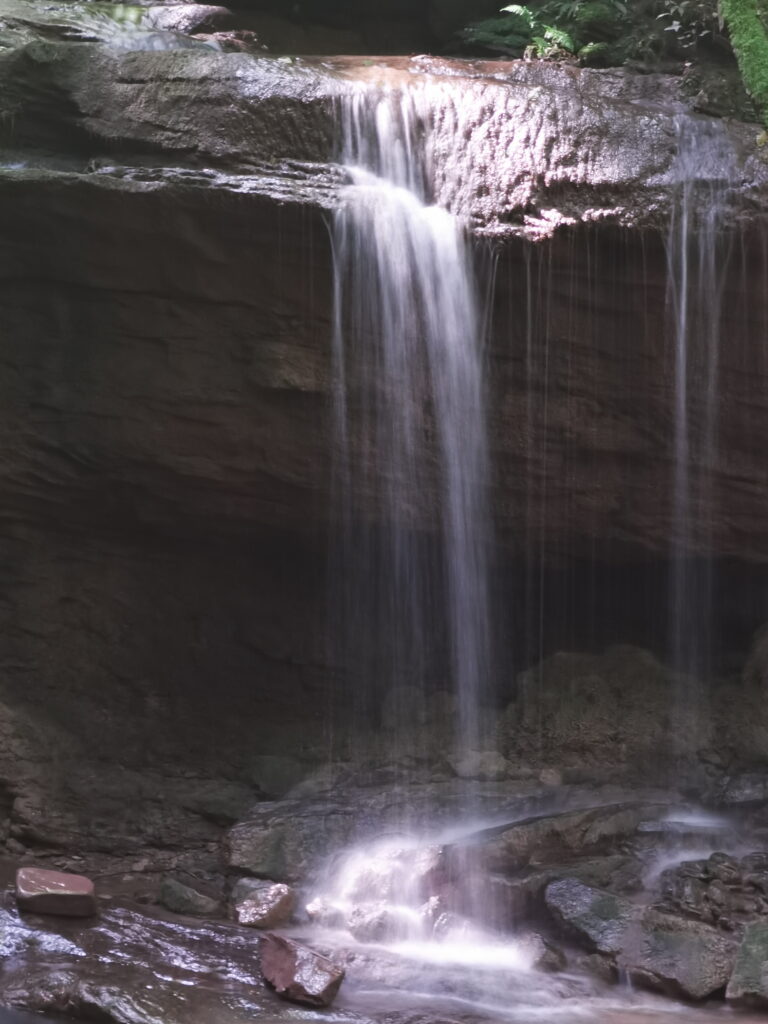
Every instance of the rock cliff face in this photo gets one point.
(173, 208)
(165, 308)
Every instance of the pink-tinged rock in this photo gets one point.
(52, 892)
(298, 973)
(263, 904)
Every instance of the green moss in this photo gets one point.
(750, 43)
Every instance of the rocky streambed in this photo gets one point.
(584, 903)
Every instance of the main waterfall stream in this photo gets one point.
(409, 361)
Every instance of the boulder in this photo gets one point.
(558, 838)
(263, 904)
(185, 17)
(600, 919)
(509, 901)
(183, 899)
(39, 891)
(297, 973)
(681, 958)
(586, 711)
(720, 890)
(284, 841)
(748, 985)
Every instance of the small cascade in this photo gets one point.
(698, 252)
(411, 571)
(398, 892)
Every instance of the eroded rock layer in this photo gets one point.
(166, 308)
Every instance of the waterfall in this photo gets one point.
(697, 251)
(412, 462)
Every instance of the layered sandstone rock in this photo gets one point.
(166, 309)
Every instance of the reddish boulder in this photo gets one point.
(263, 904)
(53, 892)
(298, 973)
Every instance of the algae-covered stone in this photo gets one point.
(600, 919)
(183, 899)
(749, 982)
(674, 955)
(680, 957)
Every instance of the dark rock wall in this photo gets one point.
(166, 358)
(164, 402)
(135, 659)
(583, 379)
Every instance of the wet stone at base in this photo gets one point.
(297, 973)
(39, 891)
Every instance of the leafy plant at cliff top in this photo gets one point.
(547, 29)
(691, 21)
(604, 32)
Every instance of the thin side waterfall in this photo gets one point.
(410, 421)
(698, 250)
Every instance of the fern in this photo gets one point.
(560, 38)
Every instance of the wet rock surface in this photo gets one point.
(599, 917)
(722, 890)
(262, 904)
(681, 957)
(298, 973)
(287, 839)
(131, 967)
(552, 839)
(748, 985)
(183, 898)
(39, 891)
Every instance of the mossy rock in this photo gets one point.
(749, 35)
(749, 982)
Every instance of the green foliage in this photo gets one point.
(547, 29)
(750, 41)
(691, 21)
(602, 32)
(508, 35)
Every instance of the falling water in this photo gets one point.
(697, 256)
(409, 376)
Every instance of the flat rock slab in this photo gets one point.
(39, 891)
(297, 973)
